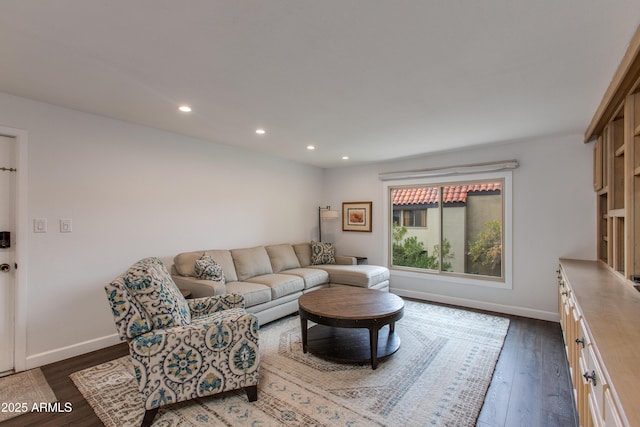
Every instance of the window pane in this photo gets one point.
(453, 234)
(415, 240)
(472, 229)
(406, 219)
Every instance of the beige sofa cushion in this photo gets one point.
(251, 262)
(280, 284)
(282, 257)
(312, 276)
(253, 293)
(303, 252)
(356, 275)
(185, 262)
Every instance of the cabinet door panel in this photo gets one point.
(574, 342)
(594, 416)
(582, 391)
(585, 343)
(597, 385)
(611, 414)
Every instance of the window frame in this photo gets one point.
(504, 282)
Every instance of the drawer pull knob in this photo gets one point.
(580, 341)
(565, 293)
(591, 377)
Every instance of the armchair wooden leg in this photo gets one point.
(252, 393)
(149, 415)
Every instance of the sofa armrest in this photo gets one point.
(346, 260)
(208, 305)
(199, 288)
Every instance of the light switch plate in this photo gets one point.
(40, 225)
(65, 226)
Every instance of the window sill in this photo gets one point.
(450, 278)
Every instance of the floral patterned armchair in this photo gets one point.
(182, 349)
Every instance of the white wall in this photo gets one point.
(553, 216)
(134, 192)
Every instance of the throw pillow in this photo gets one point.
(322, 253)
(207, 268)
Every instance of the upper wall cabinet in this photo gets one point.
(616, 167)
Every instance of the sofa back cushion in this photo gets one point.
(251, 262)
(185, 263)
(153, 290)
(282, 257)
(303, 252)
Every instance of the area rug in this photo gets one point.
(19, 392)
(439, 376)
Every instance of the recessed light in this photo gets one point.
(184, 108)
(311, 147)
(345, 157)
(260, 131)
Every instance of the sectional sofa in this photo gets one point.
(272, 278)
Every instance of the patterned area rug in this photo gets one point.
(439, 376)
(19, 392)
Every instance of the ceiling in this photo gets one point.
(372, 80)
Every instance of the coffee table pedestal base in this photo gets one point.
(351, 345)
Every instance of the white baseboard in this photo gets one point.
(62, 353)
(480, 305)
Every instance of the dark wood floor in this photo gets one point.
(530, 386)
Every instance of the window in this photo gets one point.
(457, 228)
(410, 218)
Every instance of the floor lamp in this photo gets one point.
(324, 214)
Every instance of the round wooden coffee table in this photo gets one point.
(348, 323)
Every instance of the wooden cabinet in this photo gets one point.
(614, 202)
(599, 302)
(615, 128)
(598, 313)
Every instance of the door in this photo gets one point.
(7, 254)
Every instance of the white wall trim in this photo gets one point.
(67, 352)
(480, 305)
(22, 227)
(468, 279)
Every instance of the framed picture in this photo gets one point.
(356, 216)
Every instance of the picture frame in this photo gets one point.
(356, 216)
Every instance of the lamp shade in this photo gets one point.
(329, 214)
